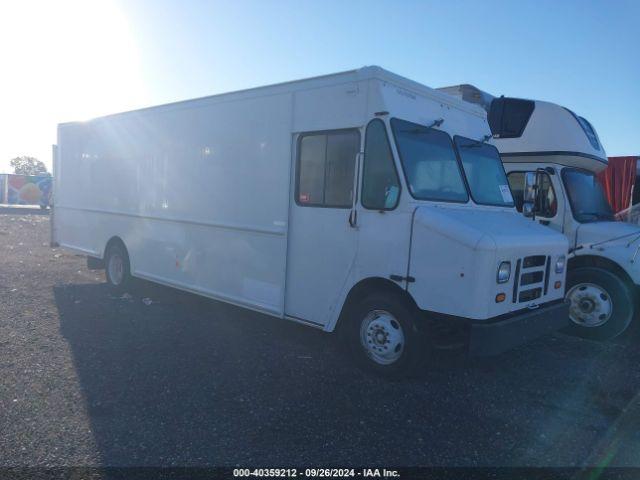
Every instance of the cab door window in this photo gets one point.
(546, 202)
(326, 168)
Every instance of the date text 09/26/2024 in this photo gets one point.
(316, 472)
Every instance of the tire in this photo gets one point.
(394, 345)
(117, 268)
(601, 303)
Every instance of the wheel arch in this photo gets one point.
(115, 240)
(365, 287)
(603, 263)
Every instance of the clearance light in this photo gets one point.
(557, 285)
(500, 297)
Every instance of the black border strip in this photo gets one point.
(375, 471)
(516, 281)
(547, 274)
(556, 153)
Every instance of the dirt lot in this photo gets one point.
(88, 378)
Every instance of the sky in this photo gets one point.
(77, 59)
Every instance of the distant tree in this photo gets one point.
(28, 166)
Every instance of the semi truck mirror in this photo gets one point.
(529, 194)
(530, 183)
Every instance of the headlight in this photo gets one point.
(560, 264)
(504, 272)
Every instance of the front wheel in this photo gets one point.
(601, 303)
(382, 336)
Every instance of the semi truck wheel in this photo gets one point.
(601, 303)
(117, 267)
(382, 337)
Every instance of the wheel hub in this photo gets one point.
(116, 269)
(590, 305)
(382, 337)
(587, 305)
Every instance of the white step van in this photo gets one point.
(360, 201)
(565, 153)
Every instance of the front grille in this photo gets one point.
(534, 261)
(528, 295)
(531, 278)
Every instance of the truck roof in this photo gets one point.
(469, 93)
(364, 73)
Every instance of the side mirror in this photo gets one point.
(529, 194)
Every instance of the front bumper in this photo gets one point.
(494, 337)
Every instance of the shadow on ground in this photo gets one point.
(178, 381)
(187, 381)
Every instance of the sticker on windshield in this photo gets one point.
(506, 193)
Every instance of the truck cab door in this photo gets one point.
(384, 219)
(322, 238)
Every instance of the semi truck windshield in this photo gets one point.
(485, 173)
(429, 162)
(586, 196)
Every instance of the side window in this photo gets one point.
(508, 117)
(380, 184)
(547, 206)
(516, 182)
(326, 166)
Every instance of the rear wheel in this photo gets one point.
(382, 336)
(117, 267)
(601, 303)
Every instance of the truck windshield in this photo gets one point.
(586, 196)
(429, 162)
(485, 173)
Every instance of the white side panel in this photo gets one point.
(199, 195)
(322, 250)
(333, 107)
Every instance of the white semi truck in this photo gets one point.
(565, 153)
(360, 201)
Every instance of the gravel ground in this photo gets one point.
(92, 379)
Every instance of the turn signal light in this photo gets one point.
(500, 297)
(557, 285)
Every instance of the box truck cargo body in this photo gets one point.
(564, 151)
(361, 200)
